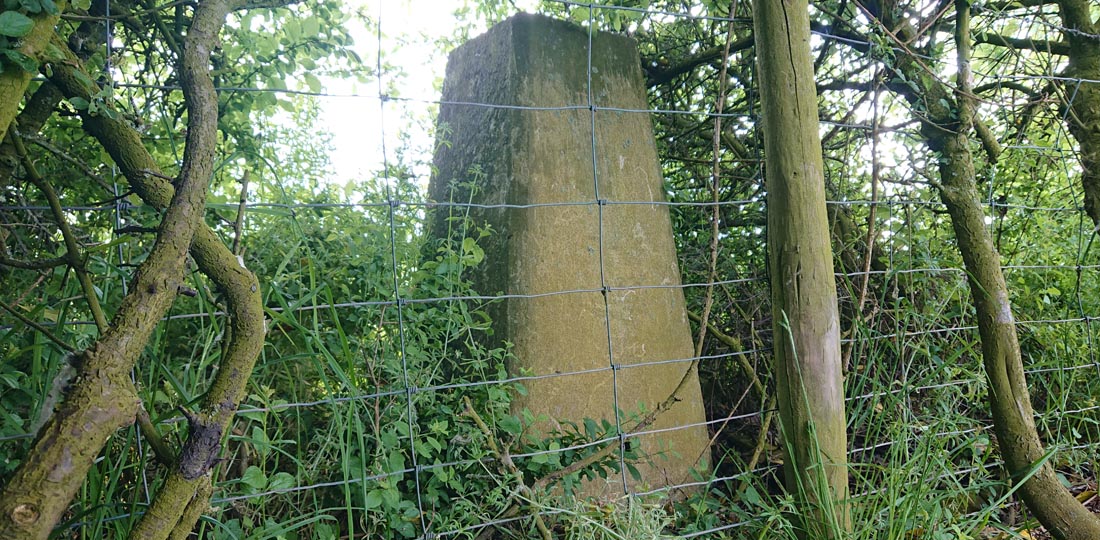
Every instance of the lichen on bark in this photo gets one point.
(104, 398)
(946, 118)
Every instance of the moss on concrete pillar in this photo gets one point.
(516, 130)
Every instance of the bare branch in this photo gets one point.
(1038, 45)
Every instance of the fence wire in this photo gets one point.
(928, 347)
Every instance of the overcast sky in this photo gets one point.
(353, 113)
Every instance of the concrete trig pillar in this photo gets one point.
(516, 131)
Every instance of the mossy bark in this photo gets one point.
(1084, 97)
(184, 490)
(105, 399)
(14, 81)
(946, 121)
(807, 362)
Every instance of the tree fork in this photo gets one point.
(177, 505)
(108, 377)
(103, 399)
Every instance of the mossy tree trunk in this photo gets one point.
(104, 399)
(810, 387)
(1084, 97)
(14, 81)
(174, 508)
(946, 120)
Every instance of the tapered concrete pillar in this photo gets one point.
(516, 133)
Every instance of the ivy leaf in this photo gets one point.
(15, 24)
(25, 62)
(79, 103)
(49, 6)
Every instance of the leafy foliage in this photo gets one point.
(356, 423)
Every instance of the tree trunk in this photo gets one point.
(104, 398)
(946, 120)
(810, 386)
(1084, 97)
(13, 80)
(181, 494)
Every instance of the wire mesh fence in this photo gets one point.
(359, 420)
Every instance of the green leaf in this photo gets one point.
(374, 499)
(260, 441)
(15, 24)
(511, 425)
(405, 528)
(84, 79)
(254, 477)
(396, 462)
(752, 496)
(31, 6)
(591, 430)
(311, 26)
(312, 82)
(24, 62)
(49, 6)
(634, 473)
(283, 480)
(391, 498)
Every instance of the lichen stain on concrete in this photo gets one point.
(542, 157)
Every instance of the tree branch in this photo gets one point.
(13, 80)
(664, 75)
(72, 250)
(173, 509)
(1014, 4)
(1039, 45)
(37, 327)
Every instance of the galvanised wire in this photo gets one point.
(400, 303)
(409, 389)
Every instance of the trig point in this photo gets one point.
(516, 134)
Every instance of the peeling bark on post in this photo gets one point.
(809, 383)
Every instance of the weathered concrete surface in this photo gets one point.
(515, 155)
